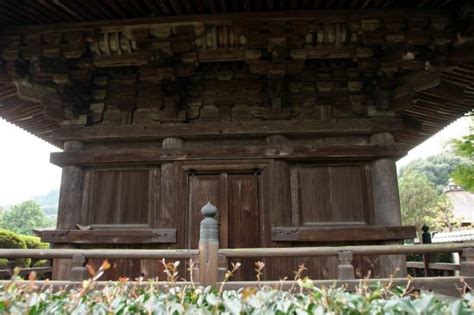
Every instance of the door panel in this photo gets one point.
(236, 197)
(244, 224)
(202, 189)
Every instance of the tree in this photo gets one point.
(464, 174)
(420, 204)
(442, 216)
(436, 168)
(24, 218)
(417, 197)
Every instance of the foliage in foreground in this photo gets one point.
(9, 239)
(303, 297)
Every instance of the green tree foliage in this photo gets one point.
(421, 204)
(442, 218)
(436, 168)
(9, 239)
(24, 218)
(464, 174)
(417, 197)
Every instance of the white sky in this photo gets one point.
(24, 165)
(25, 169)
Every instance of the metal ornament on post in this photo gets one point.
(208, 245)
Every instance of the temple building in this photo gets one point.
(288, 115)
(462, 202)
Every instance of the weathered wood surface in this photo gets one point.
(334, 234)
(231, 129)
(100, 253)
(324, 16)
(434, 266)
(238, 252)
(227, 152)
(356, 250)
(326, 194)
(137, 236)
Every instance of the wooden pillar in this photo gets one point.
(386, 203)
(69, 208)
(70, 194)
(385, 186)
(208, 246)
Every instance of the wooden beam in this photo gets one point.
(227, 129)
(139, 236)
(322, 16)
(347, 233)
(334, 250)
(99, 253)
(434, 266)
(227, 152)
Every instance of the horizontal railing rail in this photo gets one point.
(356, 250)
(99, 253)
(434, 266)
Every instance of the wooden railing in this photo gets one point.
(209, 269)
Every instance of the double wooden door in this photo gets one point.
(237, 197)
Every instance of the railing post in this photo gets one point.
(78, 268)
(345, 270)
(467, 262)
(208, 246)
(426, 239)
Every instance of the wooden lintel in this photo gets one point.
(138, 236)
(117, 156)
(347, 233)
(230, 129)
(323, 16)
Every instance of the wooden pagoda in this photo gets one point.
(288, 115)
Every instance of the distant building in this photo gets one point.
(463, 202)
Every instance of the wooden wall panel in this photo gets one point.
(119, 197)
(319, 195)
(329, 195)
(104, 197)
(311, 197)
(134, 197)
(281, 215)
(124, 196)
(347, 194)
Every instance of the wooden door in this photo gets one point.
(237, 198)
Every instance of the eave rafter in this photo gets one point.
(100, 72)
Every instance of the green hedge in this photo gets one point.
(304, 298)
(9, 239)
